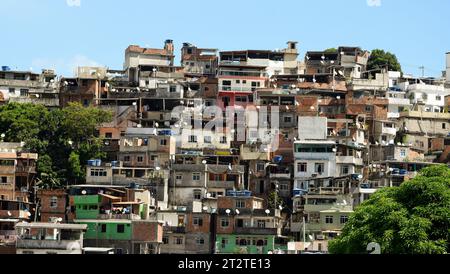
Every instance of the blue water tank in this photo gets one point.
(6, 68)
(115, 163)
(98, 162)
(91, 163)
(277, 159)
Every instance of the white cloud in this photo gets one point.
(73, 3)
(64, 66)
(374, 3)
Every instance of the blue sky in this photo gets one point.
(64, 33)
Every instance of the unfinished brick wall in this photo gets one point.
(147, 231)
(47, 209)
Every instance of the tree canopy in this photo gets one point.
(413, 218)
(64, 138)
(379, 59)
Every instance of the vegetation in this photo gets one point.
(380, 59)
(411, 219)
(331, 50)
(64, 139)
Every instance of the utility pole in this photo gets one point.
(423, 71)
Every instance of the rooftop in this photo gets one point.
(52, 226)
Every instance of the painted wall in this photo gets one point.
(230, 245)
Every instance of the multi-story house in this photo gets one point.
(198, 61)
(89, 85)
(244, 225)
(50, 238)
(30, 87)
(116, 217)
(17, 173)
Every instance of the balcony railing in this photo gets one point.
(256, 231)
(47, 244)
(118, 216)
(25, 169)
(236, 89)
(175, 229)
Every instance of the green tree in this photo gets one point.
(64, 139)
(379, 59)
(331, 50)
(274, 200)
(413, 218)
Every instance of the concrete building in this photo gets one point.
(17, 173)
(199, 60)
(429, 97)
(52, 204)
(29, 87)
(50, 238)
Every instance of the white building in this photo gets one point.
(431, 96)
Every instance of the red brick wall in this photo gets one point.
(147, 231)
(191, 228)
(45, 199)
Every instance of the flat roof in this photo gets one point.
(9, 220)
(312, 142)
(109, 221)
(52, 226)
(97, 249)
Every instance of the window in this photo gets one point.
(165, 240)
(140, 159)
(120, 228)
(260, 167)
(224, 242)
(238, 81)
(178, 240)
(98, 173)
(223, 140)
(403, 153)
(242, 99)
(344, 219)
(444, 125)
(12, 90)
(154, 157)
(196, 176)
(208, 140)
(3, 180)
(197, 221)
(438, 98)
(24, 92)
(108, 135)
(240, 204)
(54, 202)
(163, 142)
(224, 223)
(261, 224)
(345, 170)
(179, 177)
(288, 119)
(329, 219)
(200, 241)
(126, 158)
(262, 184)
(103, 228)
(319, 168)
(368, 108)
(192, 139)
(173, 89)
(302, 167)
(197, 194)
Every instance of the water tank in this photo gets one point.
(91, 163)
(98, 162)
(115, 163)
(6, 68)
(277, 159)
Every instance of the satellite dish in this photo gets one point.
(280, 207)
(228, 211)
(205, 208)
(84, 192)
(267, 211)
(158, 168)
(311, 237)
(204, 162)
(238, 212)
(9, 213)
(156, 124)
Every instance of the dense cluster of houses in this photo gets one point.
(248, 151)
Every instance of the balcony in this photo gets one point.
(25, 169)
(175, 229)
(349, 160)
(221, 184)
(118, 217)
(236, 89)
(48, 244)
(280, 175)
(37, 101)
(255, 231)
(426, 115)
(326, 190)
(399, 101)
(389, 131)
(7, 170)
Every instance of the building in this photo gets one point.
(29, 87)
(199, 60)
(52, 204)
(245, 226)
(50, 238)
(116, 217)
(87, 87)
(17, 173)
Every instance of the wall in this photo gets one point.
(46, 210)
(448, 67)
(231, 246)
(312, 128)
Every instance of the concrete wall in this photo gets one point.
(448, 67)
(313, 128)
